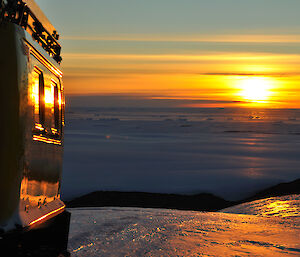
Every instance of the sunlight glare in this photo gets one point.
(49, 96)
(255, 89)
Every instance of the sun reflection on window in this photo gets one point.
(47, 102)
(35, 94)
(49, 96)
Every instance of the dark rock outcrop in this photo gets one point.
(199, 202)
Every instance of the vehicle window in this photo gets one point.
(56, 109)
(38, 94)
(41, 98)
(48, 104)
(47, 101)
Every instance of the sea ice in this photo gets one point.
(138, 150)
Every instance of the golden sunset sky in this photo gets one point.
(216, 53)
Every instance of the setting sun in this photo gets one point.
(256, 89)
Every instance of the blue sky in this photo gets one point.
(94, 17)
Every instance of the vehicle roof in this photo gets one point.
(40, 15)
(28, 15)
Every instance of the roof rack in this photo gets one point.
(27, 14)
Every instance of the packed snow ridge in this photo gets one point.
(271, 230)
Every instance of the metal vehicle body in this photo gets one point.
(32, 118)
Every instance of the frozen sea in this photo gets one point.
(271, 228)
(229, 152)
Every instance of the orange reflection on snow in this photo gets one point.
(280, 209)
(286, 206)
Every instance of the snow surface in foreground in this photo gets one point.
(285, 206)
(155, 232)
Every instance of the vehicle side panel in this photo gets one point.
(30, 162)
(43, 158)
(40, 186)
(11, 147)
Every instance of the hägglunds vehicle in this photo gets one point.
(31, 129)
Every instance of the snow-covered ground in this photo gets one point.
(156, 232)
(284, 206)
(229, 152)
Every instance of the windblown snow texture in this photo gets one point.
(284, 206)
(154, 232)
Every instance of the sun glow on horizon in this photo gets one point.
(256, 89)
